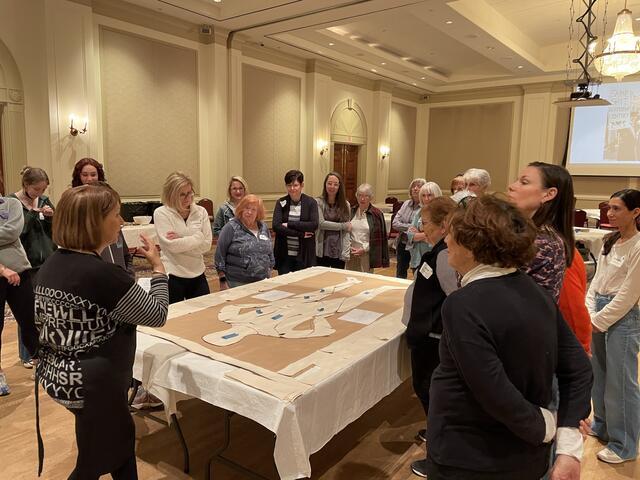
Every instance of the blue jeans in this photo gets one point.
(616, 394)
(23, 353)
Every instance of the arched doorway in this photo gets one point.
(13, 144)
(348, 144)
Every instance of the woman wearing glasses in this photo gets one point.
(184, 234)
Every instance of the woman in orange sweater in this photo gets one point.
(572, 301)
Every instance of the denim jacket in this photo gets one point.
(241, 255)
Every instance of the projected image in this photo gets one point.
(605, 140)
(622, 131)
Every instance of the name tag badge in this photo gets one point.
(426, 270)
(262, 236)
(617, 261)
(41, 216)
(283, 203)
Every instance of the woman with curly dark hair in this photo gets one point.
(503, 339)
(86, 171)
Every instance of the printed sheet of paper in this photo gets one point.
(357, 315)
(273, 295)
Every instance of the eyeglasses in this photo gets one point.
(188, 194)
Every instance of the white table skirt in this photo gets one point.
(593, 238)
(303, 426)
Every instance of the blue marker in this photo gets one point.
(229, 335)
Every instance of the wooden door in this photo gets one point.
(345, 162)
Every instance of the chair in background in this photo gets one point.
(207, 204)
(579, 218)
(391, 200)
(393, 233)
(604, 220)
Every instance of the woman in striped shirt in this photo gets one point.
(87, 319)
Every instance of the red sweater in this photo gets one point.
(572, 301)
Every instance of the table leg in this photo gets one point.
(183, 442)
(217, 456)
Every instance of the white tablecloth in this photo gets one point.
(132, 233)
(304, 425)
(593, 213)
(387, 221)
(592, 238)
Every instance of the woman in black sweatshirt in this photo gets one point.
(503, 339)
(87, 319)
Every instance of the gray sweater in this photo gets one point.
(12, 254)
(241, 255)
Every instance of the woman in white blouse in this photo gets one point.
(612, 301)
(184, 234)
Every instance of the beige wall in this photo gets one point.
(403, 141)
(271, 112)
(462, 137)
(150, 112)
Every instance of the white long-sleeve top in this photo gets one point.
(183, 257)
(618, 274)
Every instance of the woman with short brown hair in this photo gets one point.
(87, 318)
(503, 339)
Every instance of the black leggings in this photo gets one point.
(185, 288)
(331, 262)
(424, 360)
(21, 299)
(128, 471)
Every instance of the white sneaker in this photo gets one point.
(144, 399)
(609, 456)
(4, 386)
(28, 364)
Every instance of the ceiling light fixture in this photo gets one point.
(449, 22)
(406, 59)
(582, 97)
(520, 66)
(422, 78)
(383, 63)
(374, 70)
(331, 44)
(621, 56)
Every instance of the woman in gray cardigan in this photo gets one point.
(244, 253)
(333, 242)
(15, 279)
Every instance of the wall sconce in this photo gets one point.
(384, 151)
(73, 130)
(323, 146)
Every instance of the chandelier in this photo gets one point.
(621, 56)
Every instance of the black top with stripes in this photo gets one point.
(83, 303)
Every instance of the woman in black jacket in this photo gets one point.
(503, 339)
(37, 210)
(87, 320)
(295, 220)
(434, 280)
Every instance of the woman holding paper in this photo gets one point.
(87, 325)
(244, 253)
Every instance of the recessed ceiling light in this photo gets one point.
(217, 1)
(374, 70)
(491, 48)
(422, 78)
(427, 67)
(449, 22)
(414, 84)
(331, 44)
(383, 63)
(406, 59)
(320, 52)
(354, 37)
(520, 66)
